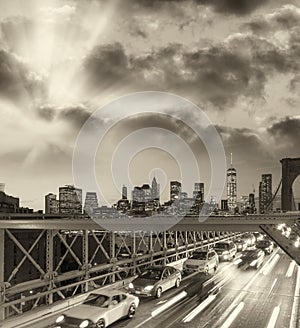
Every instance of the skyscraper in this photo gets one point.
(252, 203)
(224, 204)
(198, 193)
(124, 192)
(91, 202)
(70, 200)
(51, 204)
(265, 193)
(175, 190)
(155, 189)
(138, 199)
(231, 188)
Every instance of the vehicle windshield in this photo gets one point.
(97, 300)
(199, 255)
(152, 274)
(221, 246)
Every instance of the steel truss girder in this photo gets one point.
(25, 252)
(157, 250)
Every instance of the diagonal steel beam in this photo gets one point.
(30, 258)
(282, 241)
(17, 268)
(69, 250)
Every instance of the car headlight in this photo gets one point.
(131, 285)
(61, 318)
(84, 324)
(253, 263)
(148, 288)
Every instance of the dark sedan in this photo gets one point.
(251, 259)
(265, 245)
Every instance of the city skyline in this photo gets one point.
(70, 193)
(62, 60)
(263, 194)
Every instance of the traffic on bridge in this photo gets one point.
(233, 296)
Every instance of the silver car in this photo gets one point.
(202, 261)
(155, 280)
(100, 309)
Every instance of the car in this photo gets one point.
(155, 280)
(202, 261)
(258, 236)
(295, 239)
(241, 244)
(250, 239)
(226, 250)
(266, 245)
(100, 309)
(252, 258)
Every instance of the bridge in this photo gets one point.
(70, 255)
(48, 258)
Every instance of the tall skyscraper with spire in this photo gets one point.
(231, 187)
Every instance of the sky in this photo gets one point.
(60, 61)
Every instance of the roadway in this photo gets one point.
(266, 298)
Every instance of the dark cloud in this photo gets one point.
(76, 115)
(17, 82)
(286, 133)
(46, 112)
(236, 7)
(217, 75)
(245, 144)
(106, 65)
(284, 18)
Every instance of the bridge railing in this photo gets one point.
(55, 286)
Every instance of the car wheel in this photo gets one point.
(131, 311)
(177, 283)
(100, 323)
(158, 292)
(206, 271)
(215, 268)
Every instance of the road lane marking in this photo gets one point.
(246, 287)
(164, 307)
(274, 283)
(271, 265)
(168, 304)
(233, 315)
(274, 317)
(189, 317)
(290, 270)
(293, 321)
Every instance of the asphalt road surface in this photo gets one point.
(263, 298)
